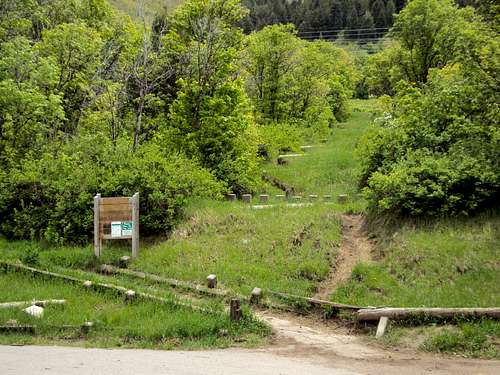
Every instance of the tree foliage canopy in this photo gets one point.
(437, 151)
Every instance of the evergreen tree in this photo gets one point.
(390, 10)
(378, 10)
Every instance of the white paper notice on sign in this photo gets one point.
(116, 229)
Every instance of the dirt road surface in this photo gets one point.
(31, 360)
(300, 346)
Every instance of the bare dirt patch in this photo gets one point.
(356, 247)
(329, 344)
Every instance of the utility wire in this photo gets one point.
(345, 30)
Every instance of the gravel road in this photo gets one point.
(31, 360)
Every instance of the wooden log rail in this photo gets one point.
(103, 286)
(313, 301)
(9, 305)
(436, 312)
(171, 282)
(289, 190)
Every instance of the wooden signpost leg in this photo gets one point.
(97, 231)
(135, 225)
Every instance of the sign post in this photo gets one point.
(116, 219)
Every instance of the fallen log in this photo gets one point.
(290, 155)
(18, 329)
(172, 282)
(289, 190)
(18, 266)
(9, 305)
(436, 312)
(313, 301)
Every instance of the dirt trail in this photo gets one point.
(328, 344)
(355, 248)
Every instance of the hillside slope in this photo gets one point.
(151, 6)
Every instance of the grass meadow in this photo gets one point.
(151, 7)
(438, 263)
(116, 323)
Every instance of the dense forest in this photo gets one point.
(360, 20)
(328, 15)
(93, 101)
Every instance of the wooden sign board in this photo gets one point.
(114, 219)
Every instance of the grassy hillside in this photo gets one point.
(445, 263)
(242, 245)
(150, 6)
(116, 324)
(438, 263)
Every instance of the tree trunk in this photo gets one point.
(138, 122)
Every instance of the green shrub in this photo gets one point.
(438, 153)
(31, 255)
(290, 80)
(279, 138)
(51, 197)
(434, 184)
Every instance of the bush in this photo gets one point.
(426, 183)
(438, 153)
(289, 80)
(52, 197)
(223, 140)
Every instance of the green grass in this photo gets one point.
(330, 168)
(284, 249)
(138, 324)
(443, 263)
(255, 248)
(151, 7)
(446, 263)
(440, 263)
(473, 339)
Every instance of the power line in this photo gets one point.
(344, 30)
(360, 40)
(367, 34)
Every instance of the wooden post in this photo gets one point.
(382, 325)
(97, 229)
(129, 295)
(313, 197)
(86, 327)
(231, 197)
(211, 281)
(235, 310)
(87, 284)
(247, 198)
(124, 261)
(264, 198)
(135, 225)
(327, 198)
(256, 295)
(106, 269)
(342, 198)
